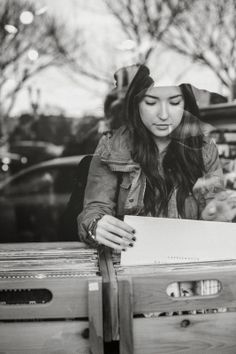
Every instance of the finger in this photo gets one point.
(112, 238)
(103, 241)
(119, 223)
(120, 232)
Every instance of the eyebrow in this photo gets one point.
(171, 97)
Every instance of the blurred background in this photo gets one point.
(57, 95)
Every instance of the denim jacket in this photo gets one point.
(116, 184)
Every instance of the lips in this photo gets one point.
(162, 126)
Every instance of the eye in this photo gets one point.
(175, 102)
(150, 103)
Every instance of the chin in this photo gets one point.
(161, 135)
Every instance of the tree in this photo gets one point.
(30, 41)
(202, 30)
(207, 34)
(147, 21)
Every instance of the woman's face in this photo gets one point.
(161, 110)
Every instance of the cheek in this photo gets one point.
(144, 114)
(141, 113)
(177, 116)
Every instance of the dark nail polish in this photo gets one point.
(134, 238)
(124, 249)
(131, 245)
(133, 231)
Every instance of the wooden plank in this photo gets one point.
(61, 337)
(150, 289)
(110, 295)
(69, 300)
(95, 316)
(126, 316)
(42, 246)
(205, 334)
(176, 267)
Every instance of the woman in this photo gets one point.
(158, 164)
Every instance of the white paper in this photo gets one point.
(162, 240)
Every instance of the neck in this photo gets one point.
(162, 143)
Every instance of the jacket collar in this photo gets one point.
(117, 151)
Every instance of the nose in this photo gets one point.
(163, 112)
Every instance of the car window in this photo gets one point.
(58, 179)
(64, 179)
(37, 182)
(32, 206)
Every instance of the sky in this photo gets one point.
(76, 96)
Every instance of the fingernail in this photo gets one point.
(133, 231)
(131, 245)
(124, 249)
(134, 238)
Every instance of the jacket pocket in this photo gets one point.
(123, 192)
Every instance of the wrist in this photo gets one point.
(92, 229)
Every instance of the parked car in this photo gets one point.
(11, 163)
(36, 151)
(33, 202)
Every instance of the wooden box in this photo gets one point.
(151, 321)
(50, 299)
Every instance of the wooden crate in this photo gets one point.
(50, 299)
(142, 291)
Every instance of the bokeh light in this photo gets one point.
(5, 168)
(42, 10)
(33, 54)
(26, 17)
(10, 29)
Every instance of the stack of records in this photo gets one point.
(50, 260)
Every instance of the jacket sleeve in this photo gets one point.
(212, 182)
(100, 193)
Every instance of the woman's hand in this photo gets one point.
(114, 233)
(221, 208)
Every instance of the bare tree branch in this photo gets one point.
(48, 40)
(202, 30)
(210, 27)
(144, 20)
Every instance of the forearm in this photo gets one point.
(100, 197)
(85, 219)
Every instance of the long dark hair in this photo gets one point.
(182, 164)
